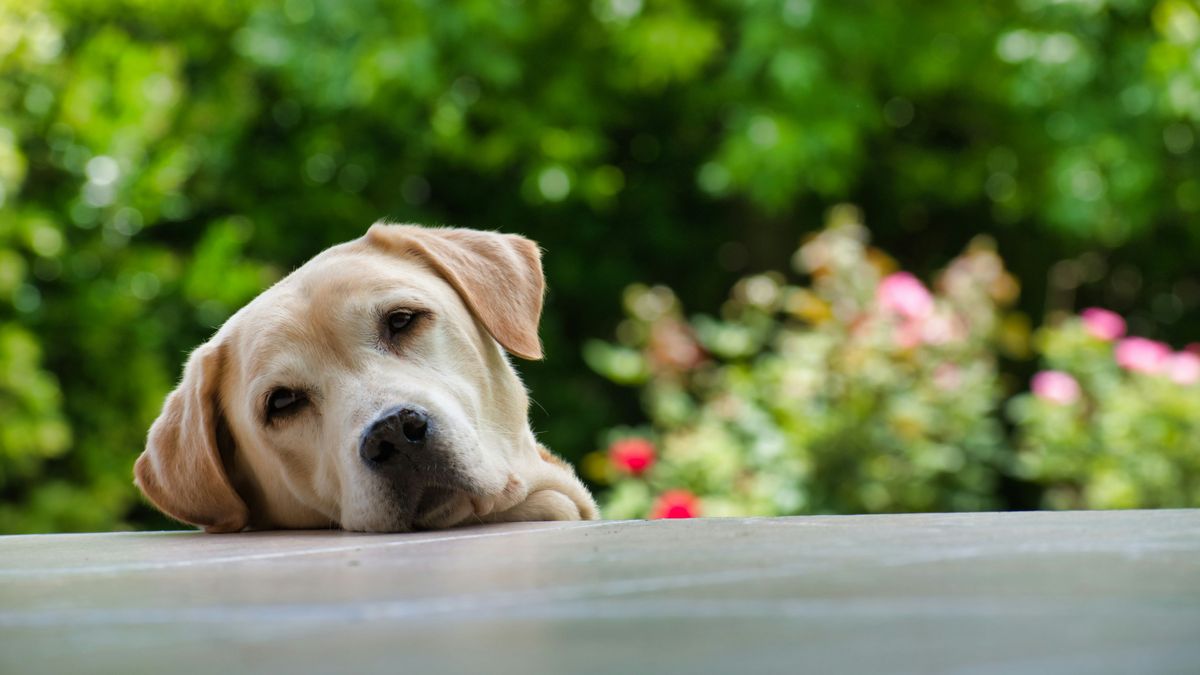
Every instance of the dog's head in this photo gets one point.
(369, 389)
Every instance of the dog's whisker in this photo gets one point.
(535, 402)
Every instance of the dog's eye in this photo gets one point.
(398, 320)
(284, 402)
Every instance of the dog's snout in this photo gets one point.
(395, 433)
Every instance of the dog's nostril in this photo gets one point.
(378, 452)
(414, 428)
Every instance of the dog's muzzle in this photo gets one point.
(404, 446)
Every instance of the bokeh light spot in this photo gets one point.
(554, 183)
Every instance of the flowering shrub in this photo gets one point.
(862, 391)
(1116, 423)
(865, 391)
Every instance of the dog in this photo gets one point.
(368, 390)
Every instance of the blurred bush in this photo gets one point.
(1114, 422)
(865, 392)
(862, 392)
(161, 162)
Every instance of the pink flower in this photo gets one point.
(673, 347)
(633, 456)
(908, 334)
(1055, 386)
(1141, 355)
(1103, 324)
(905, 295)
(1183, 367)
(676, 504)
(936, 329)
(942, 328)
(947, 377)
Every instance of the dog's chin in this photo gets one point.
(434, 509)
(441, 507)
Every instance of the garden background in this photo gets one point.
(163, 162)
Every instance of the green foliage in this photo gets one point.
(864, 392)
(161, 162)
(834, 398)
(30, 403)
(1129, 439)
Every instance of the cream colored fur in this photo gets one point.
(212, 459)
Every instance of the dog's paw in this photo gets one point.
(542, 505)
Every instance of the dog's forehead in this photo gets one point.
(340, 276)
(322, 310)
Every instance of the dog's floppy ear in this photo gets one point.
(181, 470)
(498, 276)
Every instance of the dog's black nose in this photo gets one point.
(396, 432)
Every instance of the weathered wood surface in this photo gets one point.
(1097, 592)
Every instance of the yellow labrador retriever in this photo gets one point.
(368, 390)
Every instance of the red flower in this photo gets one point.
(633, 456)
(676, 504)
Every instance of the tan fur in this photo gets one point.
(468, 259)
(211, 461)
(182, 470)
